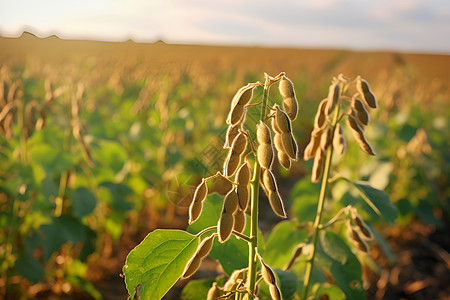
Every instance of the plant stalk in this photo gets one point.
(254, 184)
(317, 220)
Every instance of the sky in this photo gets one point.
(403, 25)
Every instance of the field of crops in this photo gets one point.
(101, 143)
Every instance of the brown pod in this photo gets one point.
(243, 192)
(267, 273)
(357, 240)
(221, 184)
(205, 246)
(236, 114)
(195, 209)
(274, 292)
(265, 155)
(192, 266)
(339, 143)
(244, 95)
(263, 133)
(232, 132)
(275, 126)
(286, 87)
(269, 181)
(361, 112)
(231, 201)
(358, 133)
(295, 254)
(326, 138)
(243, 175)
(239, 143)
(284, 160)
(364, 90)
(317, 166)
(239, 220)
(321, 117)
(313, 145)
(213, 292)
(290, 106)
(231, 163)
(289, 145)
(283, 123)
(333, 97)
(276, 203)
(362, 226)
(232, 282)
(201, 191)
(277, 141)
(225, 226)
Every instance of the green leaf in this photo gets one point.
(233, 254)
(335, 256)
(377, 200)
(197, 289)
(83, 202)
(328, 291)
(53, 159)
(304, 200)
(120, 193)
(158, 261)
(29, 267)
(287, 283)
(283, 239)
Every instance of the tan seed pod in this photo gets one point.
(236, 114)
(225, 226)
(213, 292)
(276, 203)
(313, 145)
(364, 90)
(5, 110)
(326, 138)
(239, 220)
(362, 226)
(243, 192)
(295, 254)
(239, 143)
(357, 240)
(274, 292)
(289, 145)
(263, 133)
(358, 133)
(195, 209)
(275, 126)
(284, 160)
(221, 184)
(290, 106)
(321, 117)
(265, 155)
(277, 141)
(282, 120)
(268, 181)
(191, 267)
(361, 112)
(231, 163)
(244, 95)
(231, 202)
(243, 175)
(339, 143)
(286, 87)
(232, 132)
(333, 97)
(201, 191)
(317, 166)
(235, 277)
(267, 273)
(205, 246)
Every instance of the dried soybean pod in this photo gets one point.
(201, 191)
(361, 112)
(232, 281)
(358, 133)
(282, 120)
(275, 126)
(243, 175)
(245, 94)
(289, 145)
(231, 201)
(317, 166)
(333, 97)
(205, 246)
(274, 292)
(263, 133)
(362, 226)
(313, 145)
(321, 117)
(358, 241)
(236, 114)
(269, 181)
(290, 106)
(239, 143)
(295, 254)
(231, 163)
(265, 155)
(286, 87)
(267, 273)
(243, 192)
(364, 90)
(192, 266)
(195, 209)
(213, 292)
(225, 226)
(326, 138)
(284, 160)
(339, 143)
(232, 132)
(239, 220)
(276, 203)
(278, 142)
(221, 184)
